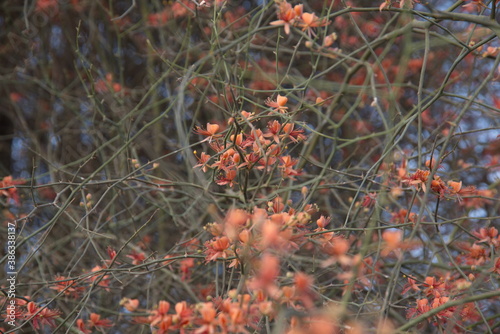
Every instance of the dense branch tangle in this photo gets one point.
(228, 167)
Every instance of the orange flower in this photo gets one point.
(274, 129)
(68, 286)
(96, 321)
(202, 161)
(228, 178)
(80, 324)
(219, 247)
(423, 305)
(137, 258)
(399, 217)
(238, 139)
(9, 190)
(411, 285)
(430, 164)
(287, 15)
(392, 240)
(267, 272)
(102, 279)
(310, 20)
(295, 135)
(446, 313)
(474, 255)
(235, 221)
(159, 317)
(208, 320)
(182, 315)
(488, 235)
(286, 167)
(496, 266)
(211, 132)
(303, 287)
(433, 287)
(162, 309)
(438, 186)
(418, 179)
(185, 268)
(336, 246)
(322, 222)
(40, 316)
(164, 325)
(236, 217)
(247, 115)
(111, 254)
(129, 304)
(279, 104)
(455, 187)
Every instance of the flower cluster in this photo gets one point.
(94, 322)
(289, 16)
(244, 234)
(434, 292)
(254, 149)
(38, 316)
(253, 242)
(74, 288)
(419, 180)
(482, 251)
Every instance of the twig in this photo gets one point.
(126, 12)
